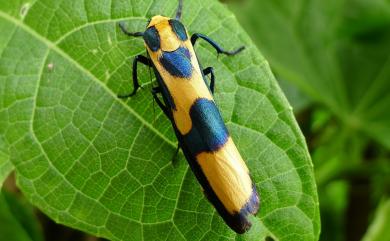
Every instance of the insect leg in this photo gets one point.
(155, 91)
(143, 60)
(174, 157)
(219, 49)
(210, 70)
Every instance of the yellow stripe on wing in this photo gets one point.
(227, 175)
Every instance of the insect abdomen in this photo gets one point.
(218, 165)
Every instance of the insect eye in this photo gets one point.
(152, 39)
(179, 29)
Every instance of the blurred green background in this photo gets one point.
(332, 59)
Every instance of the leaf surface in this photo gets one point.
(5, 164)
(337, 52)
(101, 165)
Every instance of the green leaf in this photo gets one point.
(101, 165)
(6, 125)
(17, 220)
(379, 228)
(336, 51)
(5, 164)
(298, 100)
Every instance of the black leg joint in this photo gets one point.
(155, 91)
(174, 157)
(207, 71)
(144, 60)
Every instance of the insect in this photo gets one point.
(187, 100)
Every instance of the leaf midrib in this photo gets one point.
(54, 47)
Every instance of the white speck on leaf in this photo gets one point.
(50, 66)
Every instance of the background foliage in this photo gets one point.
(333, 60)
(95, 163)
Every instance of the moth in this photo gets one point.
(185, 97)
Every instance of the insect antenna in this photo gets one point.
(179, 10)
(125, 31)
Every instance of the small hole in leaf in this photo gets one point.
(268, 238)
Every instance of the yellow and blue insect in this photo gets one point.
(188, 102)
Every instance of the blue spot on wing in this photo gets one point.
(178, 62)
(208, 132)
(152, 38)
(179, 29)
